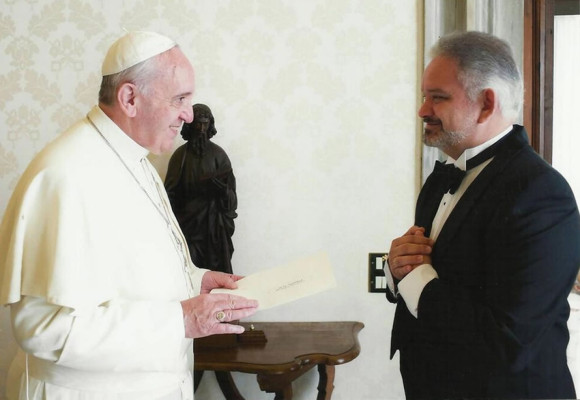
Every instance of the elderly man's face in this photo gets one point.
(168, 104)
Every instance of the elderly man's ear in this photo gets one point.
(127, 99)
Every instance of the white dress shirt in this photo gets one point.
(412, 285)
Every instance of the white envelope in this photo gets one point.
(286, 283)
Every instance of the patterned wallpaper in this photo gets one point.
(315, 102)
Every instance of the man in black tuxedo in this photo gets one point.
(482, 278)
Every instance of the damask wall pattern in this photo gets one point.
(315, 102)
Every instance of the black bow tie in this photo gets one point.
(451, 176)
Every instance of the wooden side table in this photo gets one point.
(291, 349)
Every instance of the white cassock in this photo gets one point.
(94, 274)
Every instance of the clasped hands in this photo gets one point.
(409, 251)
(200, 313)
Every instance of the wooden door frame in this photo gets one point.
(538, 74)
(539, 69)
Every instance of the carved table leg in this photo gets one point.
(225, 381)
(228, 386)
(284, 394)
(197, 375)
(325, 382)
(281, 384)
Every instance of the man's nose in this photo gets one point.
(187, 114)
(424, 110)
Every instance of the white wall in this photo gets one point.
(566, 140)
(566, 143)
(315, 102)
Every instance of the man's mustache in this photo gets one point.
(428, 120)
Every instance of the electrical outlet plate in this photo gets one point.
(377, 279)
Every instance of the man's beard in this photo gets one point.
(198, 142)
(442, 138)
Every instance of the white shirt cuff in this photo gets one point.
(390, 281)
(412, 285)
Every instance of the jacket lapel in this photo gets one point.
(517, 140)
(428, 202)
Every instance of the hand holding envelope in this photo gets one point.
(286, 283)
(209, 314)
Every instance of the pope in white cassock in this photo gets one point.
(104, 299)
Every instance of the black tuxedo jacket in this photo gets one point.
(495, 322)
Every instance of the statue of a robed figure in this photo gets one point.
(201, 187)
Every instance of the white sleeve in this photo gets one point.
(412, 285)
(117, 336)
(390, 280)
(40, 328)
(196, 277)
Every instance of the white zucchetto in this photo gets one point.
(133, 48)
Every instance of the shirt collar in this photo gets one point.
(129, 150)
(461, 162)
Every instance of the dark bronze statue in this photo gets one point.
(201, 187)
